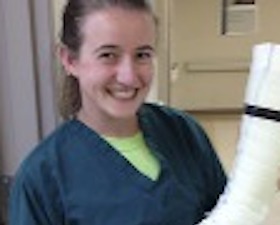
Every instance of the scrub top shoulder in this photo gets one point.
(75, 177)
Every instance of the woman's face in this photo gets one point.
(115, 62)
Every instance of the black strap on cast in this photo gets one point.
(262, 112)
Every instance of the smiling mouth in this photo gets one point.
(123, 94)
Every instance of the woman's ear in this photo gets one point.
(68, 59)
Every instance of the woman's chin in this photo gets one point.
(124, 111)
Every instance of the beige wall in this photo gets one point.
(210, 69)
(57, 6)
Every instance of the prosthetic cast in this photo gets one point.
(252, 184)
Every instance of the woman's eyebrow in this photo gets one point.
(116, 47)
(146, 47)
(106, 47)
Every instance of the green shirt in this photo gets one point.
(135, 150)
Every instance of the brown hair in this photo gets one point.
(74, 13)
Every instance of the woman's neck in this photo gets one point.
(113, 127)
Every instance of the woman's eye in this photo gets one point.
(108, 57)
(144, 56)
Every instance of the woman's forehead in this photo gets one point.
(117, 25)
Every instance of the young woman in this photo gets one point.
(115, 160)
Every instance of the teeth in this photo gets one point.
(123, 94)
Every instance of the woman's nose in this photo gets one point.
(127, 72)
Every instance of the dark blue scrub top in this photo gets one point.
(74, 177)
